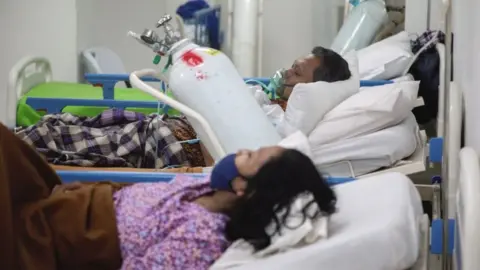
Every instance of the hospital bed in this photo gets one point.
(32, 73)
(379, 225)
(31, 86)
(372, 236)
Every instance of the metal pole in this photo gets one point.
(446, 258)
(260, 39)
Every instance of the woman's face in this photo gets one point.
(249, 162)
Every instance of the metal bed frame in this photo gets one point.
(107, 82)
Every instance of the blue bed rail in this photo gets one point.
(144, 177)
(108, 82)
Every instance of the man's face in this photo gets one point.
(300, 72)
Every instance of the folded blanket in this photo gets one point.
(115, 138)
(44, 231)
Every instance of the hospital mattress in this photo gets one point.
(368, 153)
(377, 226)
(27, 116)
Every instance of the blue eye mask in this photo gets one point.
(223, 173)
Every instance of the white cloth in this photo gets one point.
(370, 110)
(406, 78)
(367, 153)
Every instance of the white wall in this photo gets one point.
(287, 33)
(37, 28)
(43, 28)
(101, 25)
(467, 64)
(106, 23)
(291, 29)
(327, 17)
(416, 20)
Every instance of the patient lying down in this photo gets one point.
(185, 224)
(118, 138)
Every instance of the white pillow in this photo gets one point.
(372, 109)
(385, 59)
(406, 78)
(309, 102)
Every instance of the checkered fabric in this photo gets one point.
(424, 38)
(115, 138)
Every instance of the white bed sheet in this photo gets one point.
(377, 227)
(370, 152)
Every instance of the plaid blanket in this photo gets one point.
(115, 138)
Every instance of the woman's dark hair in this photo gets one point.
(332, 68)
(274, 188)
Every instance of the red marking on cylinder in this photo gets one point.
(97, 85)
(200, 75)
(192, 59)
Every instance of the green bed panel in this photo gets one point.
(28, 116)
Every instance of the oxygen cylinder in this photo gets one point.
(361, 26)
(207, 82)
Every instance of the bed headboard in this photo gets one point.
(441, 89)
(24, 75)
(27, 73)
(467, 235)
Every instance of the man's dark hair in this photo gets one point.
(333, 67)
(274, 188)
